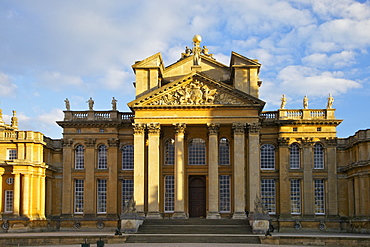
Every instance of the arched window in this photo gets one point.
(294, 156)
(197, 152)
(102, 157)
(267, 157)
(224, 152)
(169, 152)
(79, 157)
(318, 156)
(128, 157)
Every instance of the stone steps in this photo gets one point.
(194, 230)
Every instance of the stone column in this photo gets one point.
(331, 163)
(26, 195)
(254, 179)
(90, 185)
(239, 171)
(42, 196)
(67, 188)
(284, 154)
(308, 183)
(17, 193)
(112, 186)
(2, 170)
(213, 187)
(139, 167)
(179, 172)
(153, 171)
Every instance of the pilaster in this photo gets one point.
(179, 172)
(239, 170)
(112, 186)
(68, 163)
(2, 170)
(284, 201)
(308, 184)
(26, 194)
(332, 192)
(139, 166)
(17, 193)
(153, 171)
(253, 180)
(213, 187)
(90, 185)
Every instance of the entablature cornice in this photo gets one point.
(308, 122)
(354, 165)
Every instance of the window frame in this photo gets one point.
(294, 155)
(197, 152)
(79, 196)
(267, 156)
(169, 194)
(8, 201)
(12, 154)
(127, 191)
(318, 156)
(319, 196)
(79, 157)
(224, 152)
(268, 194)
(295, 197)
(224, 193)
(102, 157)
(127, 152)
(169, 152)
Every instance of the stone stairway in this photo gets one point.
(194, 230)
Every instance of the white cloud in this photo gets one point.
(115, 79)
(336, 60)
(7, 88)
(58, 82)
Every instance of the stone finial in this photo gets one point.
(91, 104)
(283, 101)
(114, 104)
(330, 102)
(68, 106)
(305, 102)
(14, 120)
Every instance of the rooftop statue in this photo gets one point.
(114, 104)
(14, 120)
(330, 102)
(91, 104)
(283, 101)
(305, 102)
(68, 106)
(205, 51)
(196, 50)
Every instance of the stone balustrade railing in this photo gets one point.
(8, 135)
(299, 114)
(98, 116)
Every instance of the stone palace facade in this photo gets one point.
(196, 144)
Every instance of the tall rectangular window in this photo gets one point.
(102, 157)
(295, 196)
(268, 194)
(225, 195)
(127, 157)
(318, 156)
(79, 157)
(294, 156)
(319, 196)
(12, 154)
(267, 157)
(79, 196)
(169, 193)
(8, 201)
(224, 152)
(127, 191)
(102, 196)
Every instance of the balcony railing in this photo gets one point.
(98, 116)
(304, 114)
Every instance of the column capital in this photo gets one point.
(180, 128)
(283, 141)
(254, 128)
(139, 128)
(213, 128)
(307, 141)
(331, 141)
(90, 142)
(154, 128)
(67, 143)
(239, 128)
(114, 142)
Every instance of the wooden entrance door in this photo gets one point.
(197, 196)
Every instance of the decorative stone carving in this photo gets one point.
(114, 142)
(180, 128)
(67, 143)
(130, 207)
(90, 142)
(238, 128)
(307, 141)
(205, 52)
(139, 128)
(213, 128)
(330, 103)
(254, 128)
(154, 128)
(283, 141)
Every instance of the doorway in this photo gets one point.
(197, 196)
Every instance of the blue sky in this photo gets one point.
(52, 50)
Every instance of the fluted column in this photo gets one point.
(17, 193)
(179, 171)
(254, 179)
(139, 167)
(213, 188)
(239, 171)
(153, 171)
(26, 195)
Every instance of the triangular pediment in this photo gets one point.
(153, 61)
(196, 90)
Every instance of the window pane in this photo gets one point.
(169, 193)
(127, 191)
(225, 198)
(267, 156)
(295, 196)
(318, 156)
(102, 196)
(268, 194)
(12, 154)
(319, 196)
(8, 201)
(197, 152)
(169, 152)
(294, 156)
(224, 152)
(79, 196)
(79, 157)
(128, 157)
(102, 157)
